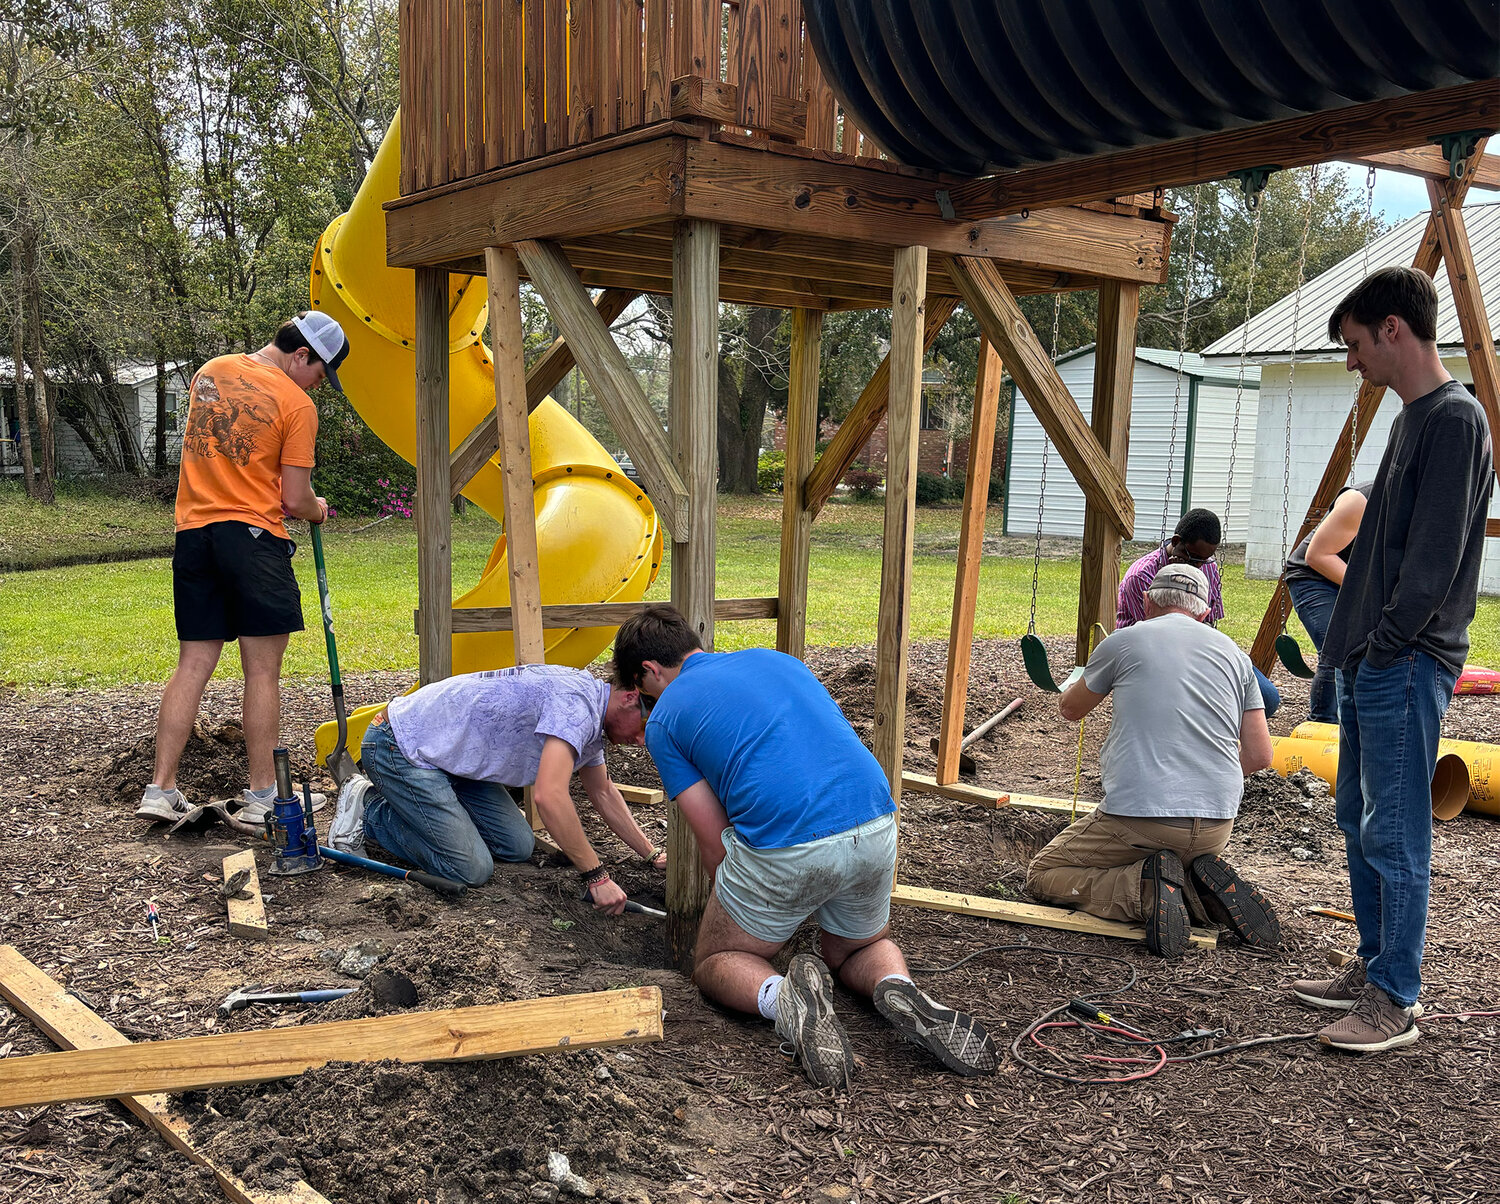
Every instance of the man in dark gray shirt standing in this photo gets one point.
(1398, 638)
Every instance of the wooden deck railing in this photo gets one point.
(487, 83)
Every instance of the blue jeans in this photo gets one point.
(452, 827)
(1268, 692)
(1314, 603)
(1389, 723)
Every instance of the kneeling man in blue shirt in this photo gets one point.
(794, 819)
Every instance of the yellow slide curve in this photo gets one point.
(598, 539)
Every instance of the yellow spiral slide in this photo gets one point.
(598, 539)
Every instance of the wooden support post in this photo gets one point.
(693, 421)
(970, 550)
(801, 448)
(247, 916)
(434, 511)
(908, 294)
(73, 1026)
(1114, 376)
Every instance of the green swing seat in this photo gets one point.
(1034, 657)
(1289, 653)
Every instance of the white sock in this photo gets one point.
(896, 978)
(765, 1000)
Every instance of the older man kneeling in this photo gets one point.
(1189, 723)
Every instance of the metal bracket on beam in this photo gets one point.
(1459, 148)
(1253, 182)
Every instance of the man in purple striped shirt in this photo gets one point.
(1194, 541)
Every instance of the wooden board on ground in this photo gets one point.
(986, 796)
(247, 916)
(1034, 914)
(73, 1026)
(641, 795)
(560, 1024)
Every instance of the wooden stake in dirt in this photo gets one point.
(73, 1026)
(247, 910)
(556, 1025)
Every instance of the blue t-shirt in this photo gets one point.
(771, 743)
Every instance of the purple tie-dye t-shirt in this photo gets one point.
(490, 727)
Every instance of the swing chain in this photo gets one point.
(1041, 498)
(1354, 407)
(1187, 296)
(1283, 596)
(1239, 384)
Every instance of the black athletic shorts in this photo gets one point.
(231, 579)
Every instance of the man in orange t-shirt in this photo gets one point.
(247, 461)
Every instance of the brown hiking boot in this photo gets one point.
(1167, 926)
(1235, 904)
(1375, 1023)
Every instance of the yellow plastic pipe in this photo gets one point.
(1463, 777)
(598, 539)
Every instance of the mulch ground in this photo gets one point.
(715, 1112)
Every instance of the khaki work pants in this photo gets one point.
(1095, 863)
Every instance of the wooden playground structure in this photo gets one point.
(692, 148)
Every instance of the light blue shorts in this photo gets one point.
(843, 881)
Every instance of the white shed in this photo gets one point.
(1322, 390)
(1204, 400)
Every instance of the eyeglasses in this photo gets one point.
(646, 703)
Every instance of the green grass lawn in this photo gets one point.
(112, 624)
(85, 523)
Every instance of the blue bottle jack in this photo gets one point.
(289, 826)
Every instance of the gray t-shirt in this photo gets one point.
(1180, 693)
(490, 727)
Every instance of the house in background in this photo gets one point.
(1183, 470)
(1321, 390)
(77, 401)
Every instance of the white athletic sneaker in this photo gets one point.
(167, 806)
(254, 810)
(347, 834)
(805, 1018)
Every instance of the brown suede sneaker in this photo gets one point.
(1374, 1024)
(1338, 992)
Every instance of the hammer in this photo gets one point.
(246, 996)
(966, 763)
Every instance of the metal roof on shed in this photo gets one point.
(1193, 364)
(1270, 330)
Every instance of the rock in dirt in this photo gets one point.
(308, 934)
(561, 1173)
(358, 960)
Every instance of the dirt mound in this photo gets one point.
(139, 1167)
(1292, 816)
(212, 767)
(393, 1134)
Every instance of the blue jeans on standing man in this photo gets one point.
(1314, 601)
(1269, 694)
(1389, 724)
(452, 827)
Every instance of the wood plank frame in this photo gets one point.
(903, 417)
(598, 614)
(1114, 376)
(503, 276)
(557, 361)
(1463, 279)
(1428, 163)
(1001, 319)
(72, 1025)
(801, 449)
(434, 509)
(692, 419)
(613, 381)
(970, 550)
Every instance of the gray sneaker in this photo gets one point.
(253, 811)
(1374, 1024)
(804, 1017)
(954, 1038)
(347, 833)
(165, 806)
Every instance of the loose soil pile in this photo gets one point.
(715, 1112)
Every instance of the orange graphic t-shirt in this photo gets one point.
(245, 420)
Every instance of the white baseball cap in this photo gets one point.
(327, 338)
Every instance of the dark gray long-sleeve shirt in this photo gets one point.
(1413, 576)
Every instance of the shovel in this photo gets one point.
(339, 763)
(966, 763)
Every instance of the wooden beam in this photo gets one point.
(1002, 321)
(985, 796)
(469, 619)
(970, 552)
(72, 1025)
(614, 383)
(561, 1024)
(503, 275)
(1430, 163)
(433, 502)
(247, 916)
(546, 374)
(1468, 299)
(894, 622)
(1492, 528)
(801, 450)
(757, 187)
(1380, 125)
(855, 431)
(1033, 914)
(693, 419)
(713, 100)
(641, 795)
(1114, 376)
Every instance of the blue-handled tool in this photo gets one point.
(245, 996)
